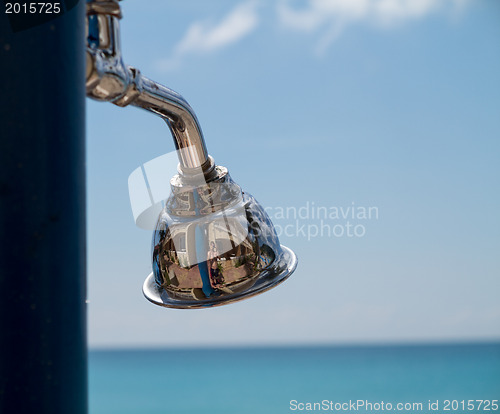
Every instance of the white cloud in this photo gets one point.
(205, 37)
(330, 17)
(326, 19)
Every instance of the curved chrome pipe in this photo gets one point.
(109, 79)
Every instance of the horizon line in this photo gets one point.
(291, 346)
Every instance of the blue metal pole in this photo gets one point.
(43, 352)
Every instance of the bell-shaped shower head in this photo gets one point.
(213, 244)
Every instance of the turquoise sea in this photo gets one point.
(276, 380)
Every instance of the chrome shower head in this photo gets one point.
(213, 243)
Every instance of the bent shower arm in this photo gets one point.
(109, 79)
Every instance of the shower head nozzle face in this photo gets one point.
(214, 244)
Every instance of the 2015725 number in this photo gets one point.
(32, 8)
(470, 405)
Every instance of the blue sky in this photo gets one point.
(391, 103)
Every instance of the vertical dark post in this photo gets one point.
(43, 353)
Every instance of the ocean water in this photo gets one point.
(276, 380)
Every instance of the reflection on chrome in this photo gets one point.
(214, 244)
